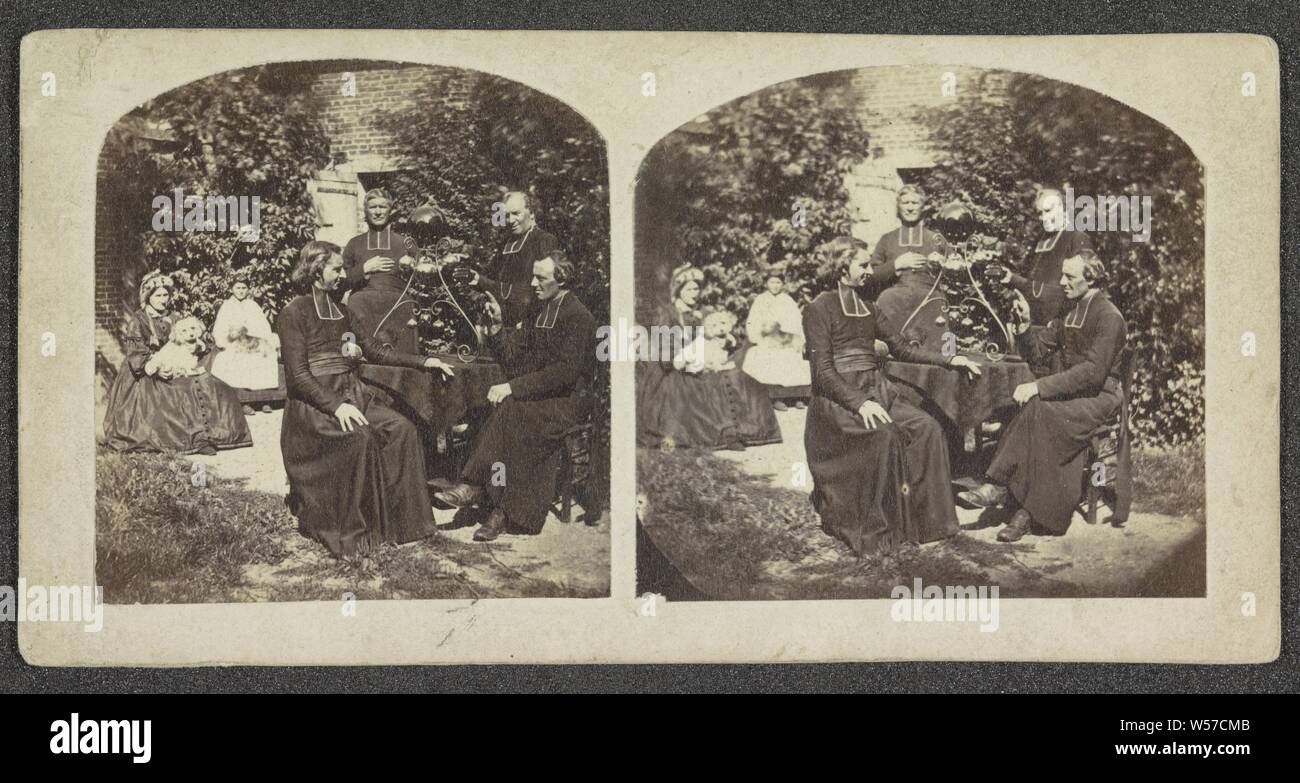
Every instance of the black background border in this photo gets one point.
(1277, 20)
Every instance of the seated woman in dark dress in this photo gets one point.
(693, 407)
(879, 466)
(152, 407)
(355, 468)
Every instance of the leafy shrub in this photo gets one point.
(754, 185)
(246, 133)
(1014, 133)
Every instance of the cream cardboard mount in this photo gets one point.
(1219, 93)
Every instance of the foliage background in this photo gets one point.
(755, 184)
(258, 132)
(719, 192)
(1017, 132)
(251, 132)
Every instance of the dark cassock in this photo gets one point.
(381, 305)
(874, 488)
(190, 415)
(1042, 287)
(550, 364)
(1041, 457)
(349, 490)
(511, 281)
(725, 409)
(899, 295)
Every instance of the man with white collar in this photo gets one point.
(527, 245)
(376, 283)
(1041, 287)
(904, 266)
(550, 362)
(1040, 459)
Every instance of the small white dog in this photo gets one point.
(180, 356)
(710, 350)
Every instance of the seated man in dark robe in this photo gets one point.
(550, 363)
(880, 468)
(1040, 460)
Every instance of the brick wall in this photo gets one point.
(350, 107)
(891, 99)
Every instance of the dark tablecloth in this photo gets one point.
(428, 398)
(963, 401)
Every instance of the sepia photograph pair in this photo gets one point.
(482, 353)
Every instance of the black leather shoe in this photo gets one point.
(458, 496)
(984, 496)
(1016, 528)
(493, 527)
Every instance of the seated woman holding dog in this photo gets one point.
(700, 399)
(355, 467)
(162, 398)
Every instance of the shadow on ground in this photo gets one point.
(739, 526)
(164, 537)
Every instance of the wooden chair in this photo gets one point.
(1110, 444)
(573, 473)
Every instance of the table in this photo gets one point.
(436, 404)
(428, 398)
(962, 400)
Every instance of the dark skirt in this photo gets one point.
(900, 300)
(352, 490)
(707, 410)
(1042, 456)
(196, 414)
(878, 489)
(516, 458)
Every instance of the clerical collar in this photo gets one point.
(517, 245)
(851, 304)
(1075, 319)
(1046, 245)
(915, 236)
(379, 240)
(332, 311)
(546, 318)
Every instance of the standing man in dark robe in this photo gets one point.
(550, 362)
(1042, 288)
(879, 465)
(904, 267)
(510, 282)
(1041, 459)
(377, 284)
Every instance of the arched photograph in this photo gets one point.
(345, 340)
(921, 325)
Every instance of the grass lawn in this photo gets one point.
(735, 536)
(160, 539)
